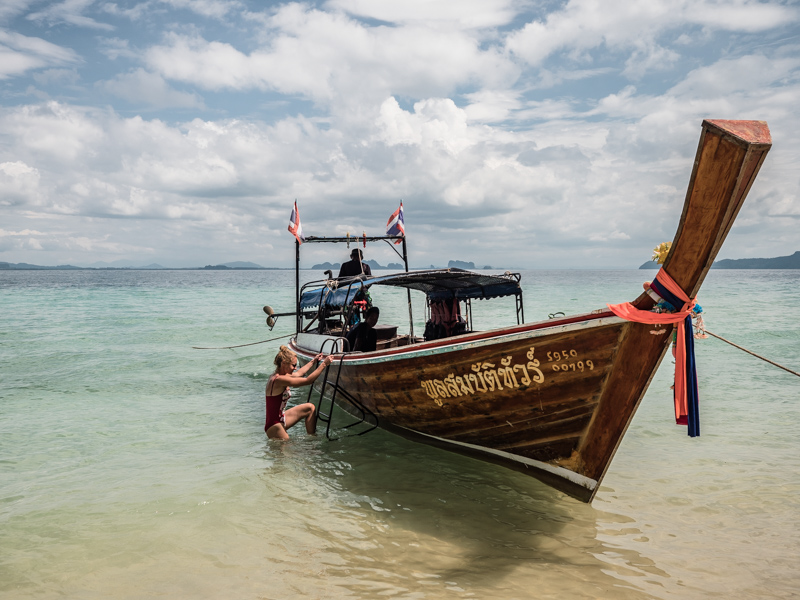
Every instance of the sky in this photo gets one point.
(518, 134)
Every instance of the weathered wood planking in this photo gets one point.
(540, 420)
(729, 155)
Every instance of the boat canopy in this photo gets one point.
(438, 284)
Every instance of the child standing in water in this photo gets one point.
(286, 376)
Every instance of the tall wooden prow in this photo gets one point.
(728, 159)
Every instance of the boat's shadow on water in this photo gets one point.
(417, 513)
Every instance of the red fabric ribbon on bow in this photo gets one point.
(630, 313)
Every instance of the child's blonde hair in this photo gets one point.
(284, 355)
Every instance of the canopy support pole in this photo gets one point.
(408, 292)
(297, 283)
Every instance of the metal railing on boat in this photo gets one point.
(342, 394)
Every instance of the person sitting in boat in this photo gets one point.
(363, 337)
(446, 319)
(286, 376)
(355, 266)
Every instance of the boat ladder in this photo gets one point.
(337, 392)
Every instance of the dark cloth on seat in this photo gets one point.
(363, 338)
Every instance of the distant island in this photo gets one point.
(469, 266)
(229, 266)
(26, 266)
(232, 266)
(780, 262)
(373, 264)
(460, 264)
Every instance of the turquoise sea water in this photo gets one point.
(132, 466)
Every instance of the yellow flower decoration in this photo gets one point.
(660, 252)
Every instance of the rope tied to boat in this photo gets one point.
(686, 397)
(773, 363)
(280, 337)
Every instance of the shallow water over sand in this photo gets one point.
(133, 466)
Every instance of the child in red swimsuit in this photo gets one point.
(286, 376)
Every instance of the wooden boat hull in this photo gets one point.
(520, 396)
(554, 399)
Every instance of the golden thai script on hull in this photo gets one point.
(486, 377)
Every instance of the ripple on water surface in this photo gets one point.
(131, 465)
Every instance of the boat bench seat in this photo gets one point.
(394, 342)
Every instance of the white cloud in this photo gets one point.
(550, 78)
(10, 8)
(210, 65)
(25, 232)
(215, 9)
(648, 57)
(134, 13)
(746, 74)
(20, 53)
(603, 236)
(150, 89)
(740, 15)
(69, 12)
(115, 48)
(492, 105)
(587, 24)
(14, 63)
(468, 14)
(65, 242)
(211, 9)
(328, 57)
(19, 183)
(53, 77)
(52, 129)
(436, 122)
(94, 160)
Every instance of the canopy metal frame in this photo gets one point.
(333, 297)
(389, 239)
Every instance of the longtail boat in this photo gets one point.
(553, 398)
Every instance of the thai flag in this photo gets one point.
(295, 228)
(395, 225)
